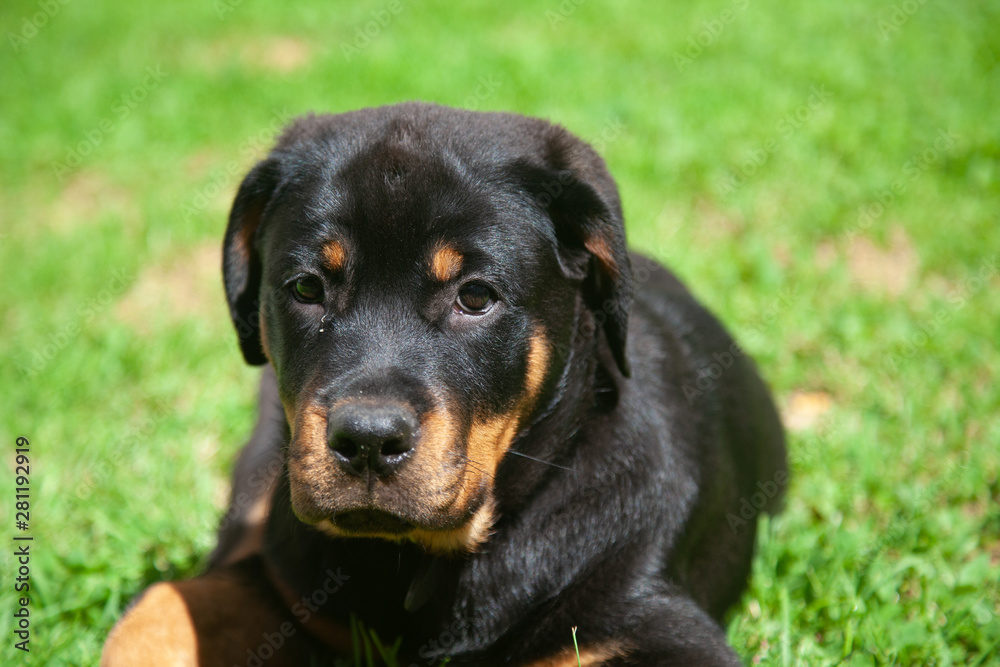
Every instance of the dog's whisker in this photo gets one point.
(548, 463)
(477, 466)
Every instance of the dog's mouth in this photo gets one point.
(367, 522)
(439, 532)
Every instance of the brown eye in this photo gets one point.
(307, 289)
(474, 299)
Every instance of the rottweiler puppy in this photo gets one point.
(480, 427)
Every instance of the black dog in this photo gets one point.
(480, 430)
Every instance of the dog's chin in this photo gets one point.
(442, 534)
(368, 517)
(448, 527)
(370, 522)
(365, 519)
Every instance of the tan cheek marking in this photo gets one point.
(437, 434)
(435, 461)
(307, 467)
(446, 263)
(490, 437)
(482, 461)
(538, 366)
(307, 424)
(599, 247)
(334, 255)
(590, 656)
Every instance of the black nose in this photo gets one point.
(376, 438)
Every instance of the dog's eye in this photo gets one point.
(307, 289)
(474, 299)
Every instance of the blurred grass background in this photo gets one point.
(825, 175)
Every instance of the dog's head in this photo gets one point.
(416, 276)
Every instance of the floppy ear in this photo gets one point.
(241, 265)
(582, 201)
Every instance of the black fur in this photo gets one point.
(611, 508)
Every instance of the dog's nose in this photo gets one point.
(375, 438)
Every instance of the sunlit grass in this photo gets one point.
(781, 156)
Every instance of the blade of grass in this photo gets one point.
(388, 655)
(366, 640)
(355, 641)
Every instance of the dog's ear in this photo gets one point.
(582, 200)
(241, 264)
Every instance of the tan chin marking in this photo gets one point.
(334, 255)
(445, 263)
(590, 656)
(466, 539)
(326, 526)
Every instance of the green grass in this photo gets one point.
(756, 145)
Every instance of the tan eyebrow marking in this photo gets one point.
(446, 263)
(334, 255)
